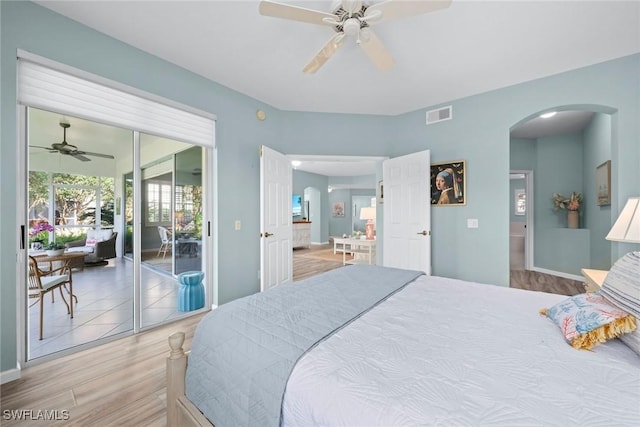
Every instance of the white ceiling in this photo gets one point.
(472, 47)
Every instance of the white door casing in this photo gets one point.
(407, 212)
(276, 256)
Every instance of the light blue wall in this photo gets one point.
(339, 225)
(597, 141)
(302, 180)
(559, 160)
(478, 133)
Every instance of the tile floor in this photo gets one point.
(104, 308)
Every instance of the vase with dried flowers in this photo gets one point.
(572, 204)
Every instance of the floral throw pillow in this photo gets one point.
(587, 320)
(90, 242)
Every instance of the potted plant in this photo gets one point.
(40, 234)
(571, 204)
(54, 248)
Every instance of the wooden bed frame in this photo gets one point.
(180, 411)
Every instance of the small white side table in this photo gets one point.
(363, 251)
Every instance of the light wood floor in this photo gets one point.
(121, 383)
(311, 261)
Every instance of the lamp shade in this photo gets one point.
(627, 226)
(368, 213)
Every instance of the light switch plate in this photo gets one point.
(472, 223)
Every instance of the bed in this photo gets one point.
(420, 350)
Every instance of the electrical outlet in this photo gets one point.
(472, 223)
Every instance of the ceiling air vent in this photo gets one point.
(439, 115)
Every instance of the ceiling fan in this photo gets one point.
(71, 150)
(353, 18)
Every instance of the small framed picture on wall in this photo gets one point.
(338, 209)
(603, 183)
(449, 183)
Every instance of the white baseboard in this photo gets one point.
(10, 375)
(559, 274)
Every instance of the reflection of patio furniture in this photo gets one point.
(98, 246)
(166, 241)
(42, 282)
(187, 247)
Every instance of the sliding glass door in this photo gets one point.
(171, 241)
(85, 195)
(72, 189)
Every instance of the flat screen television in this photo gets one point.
(296, 205)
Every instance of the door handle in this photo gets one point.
(267, 234)
(424, 232)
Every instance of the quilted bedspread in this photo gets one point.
(244, 351)
(445, 352)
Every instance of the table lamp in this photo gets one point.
(627, 226)
(370, 215)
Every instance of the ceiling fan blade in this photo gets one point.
(396, 9)
(44, 148)
(325, 53)
(106, 156)
(295, 13)
(375, 50)
(79, 157)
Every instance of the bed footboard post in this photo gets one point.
(176, 371)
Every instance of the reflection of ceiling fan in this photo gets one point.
(353, 18)
(71, 150)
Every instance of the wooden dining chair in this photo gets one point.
(42, 282)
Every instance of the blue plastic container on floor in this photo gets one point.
(191, 293)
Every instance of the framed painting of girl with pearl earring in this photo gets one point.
(448, 183)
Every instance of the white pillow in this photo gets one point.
(94, 235)
(106, 234)
(622, 288)
(99, 235)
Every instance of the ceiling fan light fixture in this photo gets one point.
(351, 26)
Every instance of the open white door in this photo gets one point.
(276, 256)
(407, 213)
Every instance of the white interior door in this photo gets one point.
(407, 214)
(276, 256)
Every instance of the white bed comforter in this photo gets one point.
(451, 353)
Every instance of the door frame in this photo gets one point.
(529, 217)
